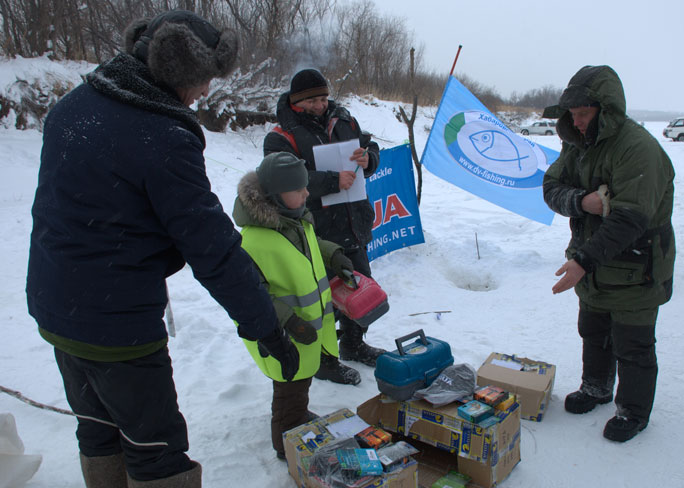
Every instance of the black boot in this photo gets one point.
(333, 370)
(621, 429)
(352, 347)
(581, 402)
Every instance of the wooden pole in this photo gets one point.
(455, 59)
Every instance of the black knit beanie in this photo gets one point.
(181, 49)
(281, 172)
(308, 83)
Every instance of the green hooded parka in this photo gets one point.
(629, 254)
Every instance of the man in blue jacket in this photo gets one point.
(123, 201)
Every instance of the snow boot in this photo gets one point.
(186, 479)
(622, 429)
(580, 402)
(352, 347)
(333, 370)
(104, 471)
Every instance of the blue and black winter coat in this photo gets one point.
(123, 201)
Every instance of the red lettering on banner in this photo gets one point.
(377, 208)
(393, 208)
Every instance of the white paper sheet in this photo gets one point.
(507, 364)
(347, 427)
(335, 157)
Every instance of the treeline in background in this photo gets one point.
(358, 49)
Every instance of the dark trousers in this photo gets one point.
(625, 339)
(128, 406)
(289, 409)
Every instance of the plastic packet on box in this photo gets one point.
(454, 383)
(395, 455)
(325, 466)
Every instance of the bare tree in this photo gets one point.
(410, 121)
(374, 45)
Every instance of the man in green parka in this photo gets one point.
(614, 181)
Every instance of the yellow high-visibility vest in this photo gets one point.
(301, 284)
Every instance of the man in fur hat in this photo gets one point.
(307, 118)
(123, 201)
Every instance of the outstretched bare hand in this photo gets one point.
(572, 272)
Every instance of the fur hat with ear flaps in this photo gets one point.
(181, 49)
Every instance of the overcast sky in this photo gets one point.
(524, 44)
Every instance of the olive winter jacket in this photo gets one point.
(629, 254)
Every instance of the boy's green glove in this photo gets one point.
(301, 330)
(339, 263)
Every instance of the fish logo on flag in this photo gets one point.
(474, 150)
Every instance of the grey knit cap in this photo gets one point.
(181, 49)
(280, 172)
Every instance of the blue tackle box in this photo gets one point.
(412, 367)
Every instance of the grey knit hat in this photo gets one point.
(181, 49)
(280, 172)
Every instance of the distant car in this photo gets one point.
(544, 128)
(675, 129)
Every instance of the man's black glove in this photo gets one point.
(339, 263)
(301, 330)
(278, 345)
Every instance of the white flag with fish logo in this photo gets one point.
(472, 149)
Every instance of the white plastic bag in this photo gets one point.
(16, 468)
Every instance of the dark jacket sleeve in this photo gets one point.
(559, 194)
(181, 196)
(320, 182)
(373, 152)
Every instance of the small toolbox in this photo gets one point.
(359, 297)
(411, 367)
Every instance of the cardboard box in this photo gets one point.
(487, 455)
(531, 381)
(303, 441)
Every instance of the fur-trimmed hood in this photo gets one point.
(252, 207)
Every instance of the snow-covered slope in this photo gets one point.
(500, 302)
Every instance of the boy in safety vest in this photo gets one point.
(278, 233)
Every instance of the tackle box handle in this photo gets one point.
(400, 341)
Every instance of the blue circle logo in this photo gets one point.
(486, 148)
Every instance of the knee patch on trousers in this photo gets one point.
(635, 344)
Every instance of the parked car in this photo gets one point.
(544, 128)
(675, 129)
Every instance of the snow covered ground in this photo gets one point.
(500, 302)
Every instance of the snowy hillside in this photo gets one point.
(500, 302)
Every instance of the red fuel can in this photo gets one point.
(360, 298)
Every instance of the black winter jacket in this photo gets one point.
(347, 224)
(123, 201)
